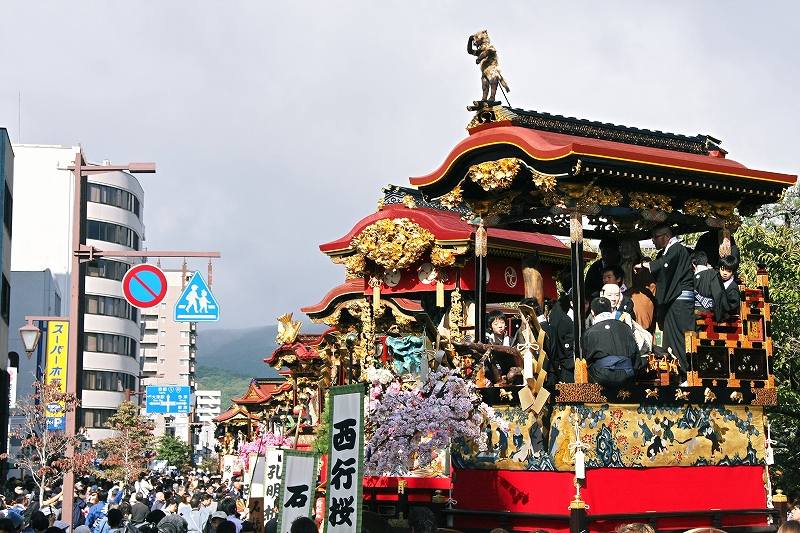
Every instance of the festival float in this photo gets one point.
(483, 434)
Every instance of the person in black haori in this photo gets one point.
(609, 347)
(672, 271)
(709, 294)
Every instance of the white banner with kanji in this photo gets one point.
(345, 459)
(297, 487)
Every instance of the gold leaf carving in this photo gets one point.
(452, 199)
(546, 182)
(393, 243)
(409, 202)
(700, 208)
(650, 202)
(495, 175)
(600, 196)
(355, 266)
(442, 257)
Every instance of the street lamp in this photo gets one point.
(30, 336)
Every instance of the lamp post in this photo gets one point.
(81, 170)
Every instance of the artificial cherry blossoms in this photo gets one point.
(410, 424)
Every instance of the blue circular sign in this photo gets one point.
(144, 286)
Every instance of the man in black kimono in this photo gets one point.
(609, 255)
(672, 271)
(709, 294)
(562, 358)
(609, 347)
(728, 267)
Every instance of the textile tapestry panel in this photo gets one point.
(623, 436)
(617, 435)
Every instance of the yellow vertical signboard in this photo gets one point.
(56, 371)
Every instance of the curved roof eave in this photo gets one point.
(548, 146)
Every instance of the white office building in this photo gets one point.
(43, 197)
(169, 355)
(207, 404)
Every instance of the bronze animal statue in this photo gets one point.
(479, 45)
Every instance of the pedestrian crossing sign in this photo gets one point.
(196, 303)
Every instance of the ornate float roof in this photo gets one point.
(263, 390)
(299, 349)
(350, 290)
(235, 414)
(615, 173)
(449, 229)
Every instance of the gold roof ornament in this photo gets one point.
(287, 329)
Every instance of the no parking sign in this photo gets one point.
(144, 286)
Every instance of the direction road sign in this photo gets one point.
(144, 286)
(167, 399)
(196, 303)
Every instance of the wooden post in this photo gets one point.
(576, 249)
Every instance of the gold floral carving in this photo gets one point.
(700, 208)
(650, 202)
(393, 243)
(452, 199)
(495, 175)
(489, 208)
(441, 257)
(381, 203)
(409, 202)
(354, 266)
(600, 196)
(546, 182)
(579, 393)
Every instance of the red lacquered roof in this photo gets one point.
(261, 392)
(233, 412)
(448, 228)
(544, 145)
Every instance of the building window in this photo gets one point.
(5, 299)
(108, 381)
(110, 306)
(185, 334)
(184, 377)
(109, 343)
(8, 207)
(96, 418)
(108, 195)
(184, 362)
(161, 347)
(162, 361)
(163, 333)
(184, 348)
(108, 269)
(114, 233)
(163, 319)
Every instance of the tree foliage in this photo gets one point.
(128, 452)
(173, 450)
(772, 238)
(46, 453)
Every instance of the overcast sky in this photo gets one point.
(274, 125)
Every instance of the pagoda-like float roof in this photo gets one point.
(235, 414)
(620, 173)
(449, 229)
(350, 290)
(263, 390)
